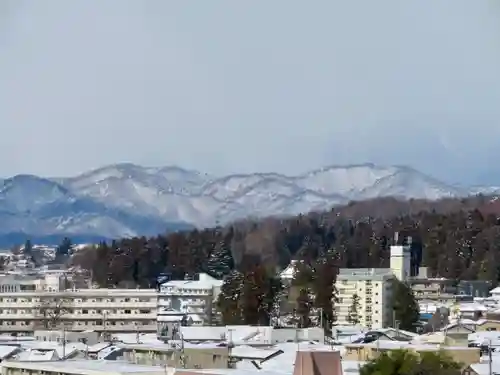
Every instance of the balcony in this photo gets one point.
(19, 305)
(201, 293)
(168, 302)
(8, 317)
(17, 328)
(109, 316)
(111, 305)
(114, 328)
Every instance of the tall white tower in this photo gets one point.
(401, 259)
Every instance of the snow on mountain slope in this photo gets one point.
(26, 193)
(344, 180)
(486, 190)
(176, 194)
(168, 193)
(233, 186)
(40, 206)
(407, 182)
(127, 199)
(166, 179)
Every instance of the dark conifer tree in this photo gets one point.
(228, 303)
(405, 307)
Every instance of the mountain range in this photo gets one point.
(126, 200)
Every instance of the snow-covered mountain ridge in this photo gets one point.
(126, 199)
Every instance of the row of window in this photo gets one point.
(80, 300)
(82, 311)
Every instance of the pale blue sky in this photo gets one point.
(250, 85)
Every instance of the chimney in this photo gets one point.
(409, 240)
(396, 238)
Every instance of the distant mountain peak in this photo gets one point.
(128, 199)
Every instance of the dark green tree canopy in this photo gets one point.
(405, 307)
(459, 239)
(401, 362)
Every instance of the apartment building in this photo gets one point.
(28, 303)
(373, 287)
(446, 291)
(190, 299)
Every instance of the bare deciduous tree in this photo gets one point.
(52, 311)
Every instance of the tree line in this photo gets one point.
(458, 238)
(455, 238)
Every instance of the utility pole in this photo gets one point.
(230, 346)
(63, 342)
(104, 325)
(137, 340)
(184, 364)
(297, 338)
(490, 358)
(321, 317)
(86, 342)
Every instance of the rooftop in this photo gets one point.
(87, 367)
(364, 273)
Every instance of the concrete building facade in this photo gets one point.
(29, 303)
(373, 287)
(193, 300)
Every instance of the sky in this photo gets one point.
(228, 86)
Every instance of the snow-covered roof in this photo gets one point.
(482, 368)
(87, 367)
(396, 331)
(98, 347)
(289, 272)
(244, 351)
(203, 333)
(34, 355)
(6, 351)
(131, 338)
(471, 307)
(284, 362)
(205, 282)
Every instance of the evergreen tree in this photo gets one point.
(220, 262)
(405, 307)
(228, 302)
(398, 362)
(259, 296)
(302, 280)
(64, 247)
(323, 286)
(304, 305)
(28, 247)
(353, 316)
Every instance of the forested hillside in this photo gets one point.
(460, 239)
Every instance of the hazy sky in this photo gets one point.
(250, 85)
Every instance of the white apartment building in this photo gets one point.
(373, 286)
(28, 303)
(194, 299)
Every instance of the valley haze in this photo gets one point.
(125, 200)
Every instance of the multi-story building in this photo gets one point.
(28, 303)
(446, 291)
(193, 299)
(373, 288)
